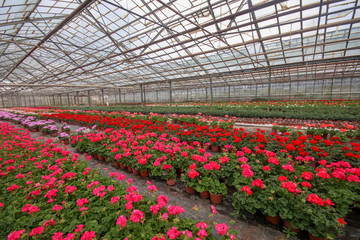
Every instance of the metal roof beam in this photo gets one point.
(78, 10)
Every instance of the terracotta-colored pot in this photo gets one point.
(215, 148)
(129, 168)
(136, 172)
(170, 181)
(66, 141)
(34, 130)
(311, 164)
(287, 224)
(273, 220)
(43, 133)
(205, 194)
(216, 198)
(116, 164)
(101, 158)
(315, 238)
(144, 174)
(122, 166)
(54, 134)
(190, 190)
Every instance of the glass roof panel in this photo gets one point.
(121, 43)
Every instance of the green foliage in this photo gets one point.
(330, 112)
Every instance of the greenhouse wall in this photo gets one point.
(347, 88)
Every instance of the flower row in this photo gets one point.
(49, 193)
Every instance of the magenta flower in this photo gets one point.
(221, 228)
(136, 216)
(121, 221)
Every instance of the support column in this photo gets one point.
(24, 100)
(77, 98)
(314, 90)
(269, 91)
(144, 95)
(331, 88)
(68, 99)
(34, 100)
(89, 98)
(187, 95)
(60, 100)
(349, 89)
(2, 100)
(102, 96)
(229, 93)
(256, 91)
(170, 93)
(157, 96)
(206, 95)
(211, 93)
(290, 89)
(18, 101)
(141, 95)
(120, 95)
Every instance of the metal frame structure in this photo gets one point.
(64, 47)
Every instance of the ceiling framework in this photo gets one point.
(66, 46)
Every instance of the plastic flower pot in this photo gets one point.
(54, 134)
(66, 141)
(287, 224)
(144, 174)
(205, 194)
(122, 166)
(136, 172)
(190, 190)
(116, 164)
(315, 238)
(216, 198)
(43, 133)
(129, 168)
(215, 148)
(170, 181)
(273, 220)
(101, 158)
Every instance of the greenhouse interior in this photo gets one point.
(180, 119)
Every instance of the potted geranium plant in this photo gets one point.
(66, 129)
(64, 137)
(166, 172)
(190, 179)
(45, 130)
(203, 186)
(53, 130)
(218, 189)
